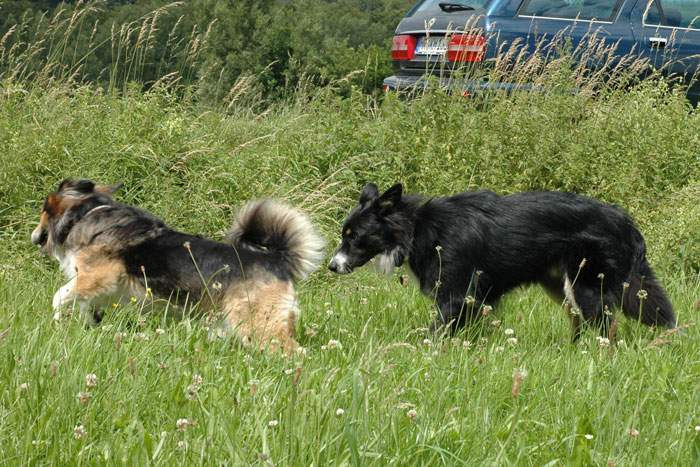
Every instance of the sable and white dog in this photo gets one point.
(110, 252)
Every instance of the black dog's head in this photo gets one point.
(372, 228)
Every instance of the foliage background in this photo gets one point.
(283, 43)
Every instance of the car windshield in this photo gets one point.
(435, 4)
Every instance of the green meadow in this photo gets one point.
(371, 387)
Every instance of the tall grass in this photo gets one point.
(373, 388)
(48, 49)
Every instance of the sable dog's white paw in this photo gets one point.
(63, 296)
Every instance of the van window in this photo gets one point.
(435, 4)
(592, 10)
(674, 13)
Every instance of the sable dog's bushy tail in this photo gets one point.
(646, 299)
(280, 229)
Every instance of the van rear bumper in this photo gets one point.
(412, 83)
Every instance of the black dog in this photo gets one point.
(469, 249)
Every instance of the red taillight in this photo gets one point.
(403, 47)
(466, 48)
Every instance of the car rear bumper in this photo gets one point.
(409, 83)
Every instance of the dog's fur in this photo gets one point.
(111, 252)
(479, 245)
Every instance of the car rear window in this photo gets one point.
(600, 10)
(435, 4)
(674, 13)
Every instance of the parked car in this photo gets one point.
(436, 37)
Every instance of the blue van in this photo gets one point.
(438, 36)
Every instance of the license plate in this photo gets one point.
(431, 46)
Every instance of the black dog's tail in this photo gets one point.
(645, 299)
(274, 226)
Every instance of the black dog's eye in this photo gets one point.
(351, 234)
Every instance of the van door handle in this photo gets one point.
(657, 42)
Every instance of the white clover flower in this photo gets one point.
(339, 412)
(427, 342)
(498, 349)
(633, 432)
(603, 341)
(512, 340)
(24, 386)
(412, 414)
(197, 379)
(79, 431)
(334, 344)
(140, 336)
(160, 331)
(588, 436)
(509, 332)
(182, 424)
(496, 322)
(91, 380)
(272, 423)
(697, 428)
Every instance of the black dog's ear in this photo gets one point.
(109, 189)
(369, 193)
(390, 197)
